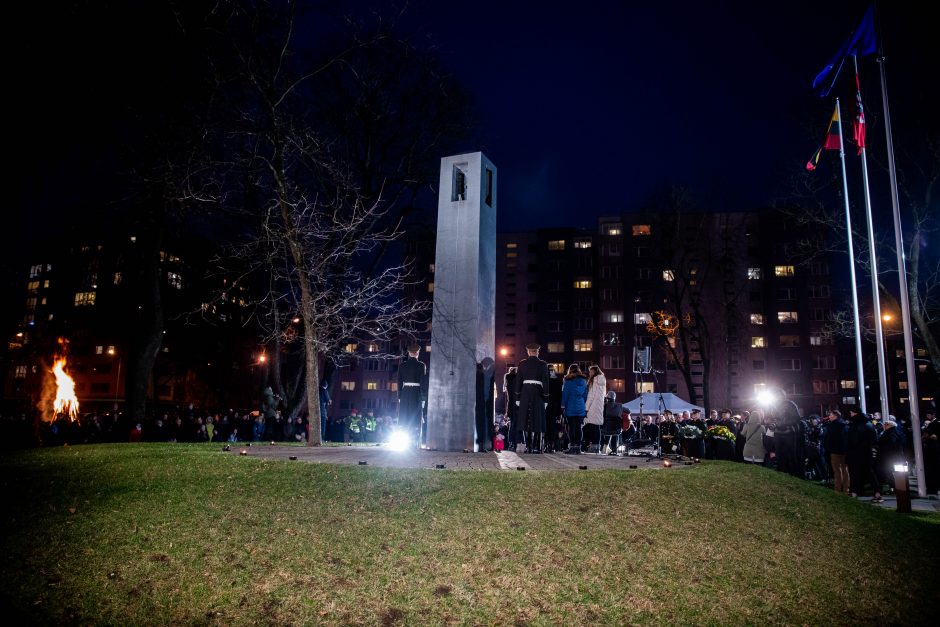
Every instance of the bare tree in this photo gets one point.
(917, 184)
(325, 155)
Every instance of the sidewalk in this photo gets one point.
(383, 457)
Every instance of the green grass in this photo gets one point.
(184, 534)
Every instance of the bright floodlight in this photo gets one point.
(902, 467)
(399, 440)
(765, 397)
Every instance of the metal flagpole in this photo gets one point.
(876, 298)
(913, 396)
(860, 370)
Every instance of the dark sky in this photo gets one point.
(588, 106)
(585, 107)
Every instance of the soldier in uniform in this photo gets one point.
(412, 393)
(532, 392)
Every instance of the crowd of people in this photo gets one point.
(189, 424)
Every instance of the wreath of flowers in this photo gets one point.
(690, 431)
(718, 431)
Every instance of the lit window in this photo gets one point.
(613, 316)
(556, 347)
(612, 339)
(758, 341)
(46, 283)
(34, 271)
(615, 384)
(848, 384)
(512, 255)
(559, 368)
(582, 243)
(582, 284)
(118, 277)
(669, 275)
(645, 387)
(512, 245)
(757, 318)
(431, 286)
(753, 274)
(613, 229)
(788, 317)
(347, 386)
(582, 346)
(393, 386)
(783, 271)
(32, 286)
(849, 400)
(351, 347)
(556, 244)
(174, 280)
(642, 318)
(372, 385)
(819, 339)
(902, 385)
(641, 229)
(20, 372)
(372, 347)
(84, 298)
(99, 350)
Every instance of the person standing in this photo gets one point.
(574, 394)
(509, 389)
(553, 413)
(862, 444)
(532, 394)
(268, 411)
(412, 393)
(597, 392)
(485, 392)
(753, 435)
(836, 444)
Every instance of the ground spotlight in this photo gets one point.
(399, 440)
(667, 463)
(766, 397)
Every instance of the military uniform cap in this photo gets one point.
(413, 348)
(532, 346)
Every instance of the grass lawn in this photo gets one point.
(184, 534)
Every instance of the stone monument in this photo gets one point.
(463, 321)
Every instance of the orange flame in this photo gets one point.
(65, 400)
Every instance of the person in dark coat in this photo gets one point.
(509, 388)
(788, 436)
(835, 442)
(532, 394)
(890, 452)
(485, 397)
(862, 441)
(412, 393)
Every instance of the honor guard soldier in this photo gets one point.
(412, 393)
(532, 392)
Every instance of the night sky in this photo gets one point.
(584, 107)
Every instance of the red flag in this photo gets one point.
(832, 141)
(858, 127)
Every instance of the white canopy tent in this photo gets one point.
(653, 405)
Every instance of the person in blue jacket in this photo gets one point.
(574, 393)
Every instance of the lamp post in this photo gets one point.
(900, 488)
(886, 318)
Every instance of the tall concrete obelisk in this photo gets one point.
(463, 322)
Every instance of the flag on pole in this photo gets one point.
(831, 142)
(860, 43)
(858, 126)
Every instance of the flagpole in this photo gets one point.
(913, 396)
(859, 365)
(876, 297)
